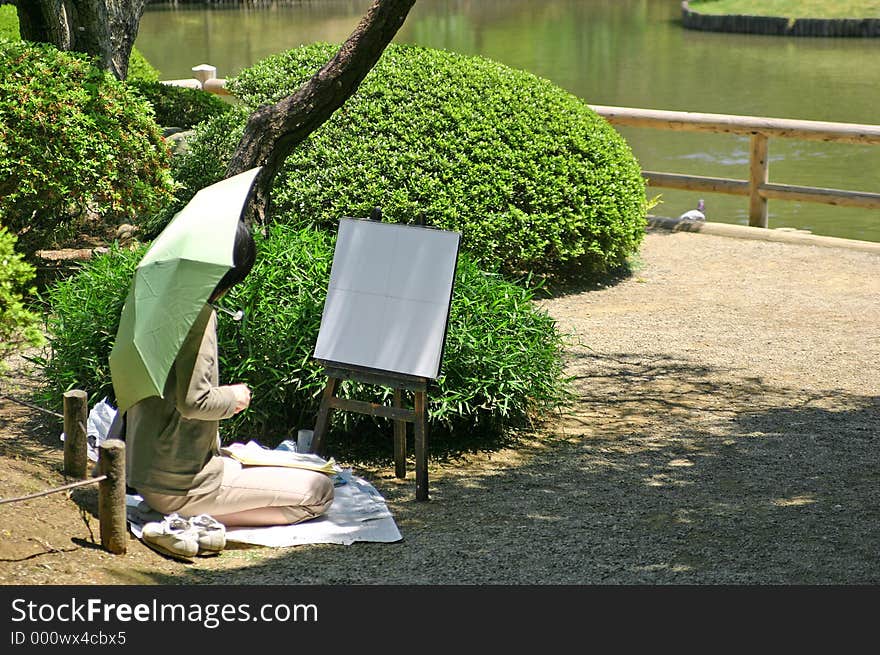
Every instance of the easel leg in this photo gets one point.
(323, 416)
(399, 439)
(421, 439)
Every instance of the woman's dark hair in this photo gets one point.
(244, 253)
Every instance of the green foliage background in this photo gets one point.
(532, 177)
(502, 364)
(79, 152)
(529, 173)
(179, 106)
(139, 69)
(19, 326)
(9, 23)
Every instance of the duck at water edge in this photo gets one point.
(695, 214)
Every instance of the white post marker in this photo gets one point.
(204, 72)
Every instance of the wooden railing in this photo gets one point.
(758, 187)
(204, 78)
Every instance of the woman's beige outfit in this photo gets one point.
(172, 448)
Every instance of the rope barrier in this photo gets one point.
(72, 485)
(27, 404)
(111, 468)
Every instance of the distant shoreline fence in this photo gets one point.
(217, 4)
(758, 187)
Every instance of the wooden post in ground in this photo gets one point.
(758, 176)
(111, 496)
(76, 412)
(399, 438)
(421, 445)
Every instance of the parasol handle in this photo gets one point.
(236, 315)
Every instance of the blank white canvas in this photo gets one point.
(388, 299)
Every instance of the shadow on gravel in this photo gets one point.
(573, 280)
(669, 472)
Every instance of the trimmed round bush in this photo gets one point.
(502, 365)
(530, 175)
(178, 106)
(80, 153)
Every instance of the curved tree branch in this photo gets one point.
(273, 131)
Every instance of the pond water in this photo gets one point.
(630, 53)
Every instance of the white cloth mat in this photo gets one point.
(358, 513)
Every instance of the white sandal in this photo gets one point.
(211, 534)
(172, 536)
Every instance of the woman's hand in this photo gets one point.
(242, 396)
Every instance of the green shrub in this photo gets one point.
(138, 66)
(9, 23)
(502, 364)
(202, 163)
(180, 106)
(529, 173)
(79, 152)
(139, 69)
(19, 326)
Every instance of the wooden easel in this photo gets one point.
(399, 382)
(398, 413)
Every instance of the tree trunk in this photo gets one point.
(273, 131)
(105, 29)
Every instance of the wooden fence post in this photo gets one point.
(111, 496)
(759, 168)
(399, 439)
(76, 411)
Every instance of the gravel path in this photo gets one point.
(726, 430)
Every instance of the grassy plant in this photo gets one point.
(502, 366)
(82, 321)
(283, 297)
(502, 363)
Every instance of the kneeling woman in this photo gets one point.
(172, 442)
